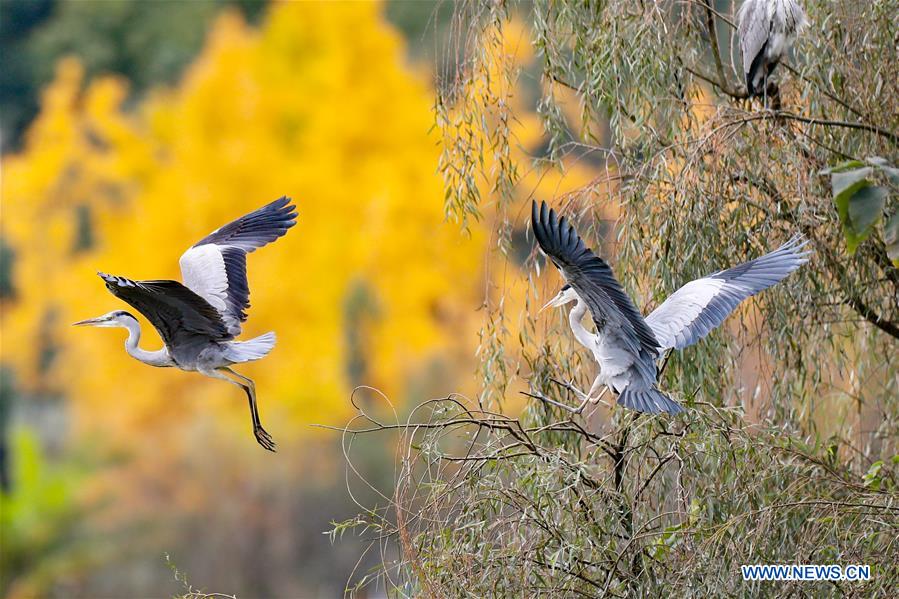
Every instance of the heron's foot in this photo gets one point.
(596, 398)
(264, 439)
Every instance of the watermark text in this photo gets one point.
(805, 572)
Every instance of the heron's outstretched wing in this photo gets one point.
(702, 305)
(752, 28)
(591, 278)
(180, 315)
(215, 268)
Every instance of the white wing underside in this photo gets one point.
(215, 268)
(203, 272)
(700, 306)
(671, 321)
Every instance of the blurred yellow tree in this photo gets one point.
(293, 109)
(372, 286)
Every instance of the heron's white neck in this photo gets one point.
(577, 327)
(153, 358)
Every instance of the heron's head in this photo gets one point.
(116, 318)
(565, 295)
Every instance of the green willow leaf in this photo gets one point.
(844, 182)
(866, 208)
(845, 185)
(891, 237)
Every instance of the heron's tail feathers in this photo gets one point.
(648, 400)
(252, 349)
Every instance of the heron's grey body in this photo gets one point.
(199, 320)
(767, 30)
(627, 346)
(194, 334)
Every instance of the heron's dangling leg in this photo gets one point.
(592, 398)
(260, 433)
(593, 389)
(262, 437)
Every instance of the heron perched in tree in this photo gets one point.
(767, 30)
(627, 346)
(199, 320)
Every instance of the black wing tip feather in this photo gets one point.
(283, 208)
(540, 220)
(281, 213)
(555, 236)
(116, 281)
(539, 233)
(256, 228)
(118, 284)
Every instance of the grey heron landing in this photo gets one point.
(767, 30)
(199, 320)
(627, 346)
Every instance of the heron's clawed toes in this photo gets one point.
(264, 439)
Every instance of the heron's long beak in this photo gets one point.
(552, 303)
(89, 322)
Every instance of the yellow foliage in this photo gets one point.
(294, 108)
(297, 108)
(372, 286)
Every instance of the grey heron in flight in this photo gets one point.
(626, 345)
(767, 30)
(199, 320)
